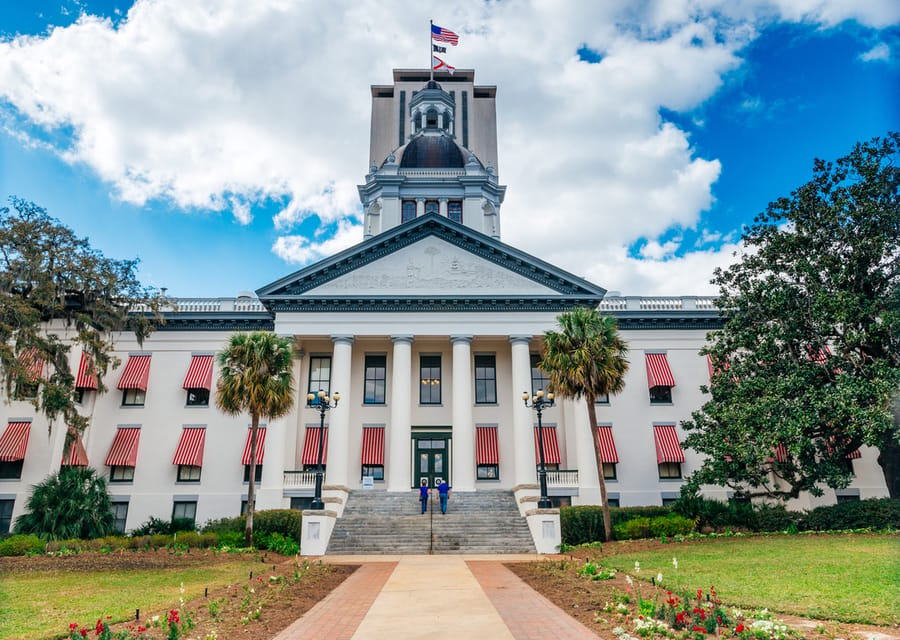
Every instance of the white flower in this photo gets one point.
(618, 631)
(154, 619)
(629, 580)
(621, 608)
(659, 578)
(674, 562)
(637, 566)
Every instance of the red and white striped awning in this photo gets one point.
(551, 446)
(136, 373)
(710, 365)
(199, 375)
(14, 441)
(123, 452)
(780, 453)
(608, 451)
(77, 455)
(33, 363)
(658, 372)
(311, 446)
(260, 446)
(854, 455)
(86, 378)
(668, 449)
(190, 447)
(486, 449)
(372, 445)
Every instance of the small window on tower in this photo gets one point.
(431, 118)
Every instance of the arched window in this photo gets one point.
(409, 211)
(431, 117)
(431, 206)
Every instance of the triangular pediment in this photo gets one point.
(430, 263)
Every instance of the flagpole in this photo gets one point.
(430, 52)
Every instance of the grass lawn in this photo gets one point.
(849, 578)
(42, 604)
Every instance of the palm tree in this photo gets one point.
(256, 378)
(586, 358)
(73, 503)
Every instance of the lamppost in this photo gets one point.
(539, 403)
(325, 403)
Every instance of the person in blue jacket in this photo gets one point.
(444, 494)
(423, 495)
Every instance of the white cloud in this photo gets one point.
(299, 249)
(224, 104)
(656, 251)
(880, 51)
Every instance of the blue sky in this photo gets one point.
(221, 142)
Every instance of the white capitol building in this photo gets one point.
(429, 329)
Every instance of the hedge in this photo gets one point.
(874, 513)
(287, 522)
(585, 523)
(21, 544)
(669, 526)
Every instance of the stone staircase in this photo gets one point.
(378, 522)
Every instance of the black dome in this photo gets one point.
(432, 152)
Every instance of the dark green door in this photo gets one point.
(432, 463)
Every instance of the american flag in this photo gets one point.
(439, 34)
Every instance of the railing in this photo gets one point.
(658, 303)
(436, 173)
(299, 479)
(562, 478)
(207, 305)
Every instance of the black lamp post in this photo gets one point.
(325, 403)
(539, 403)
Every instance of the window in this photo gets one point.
(319, 376)
(120, 514)
(297, 502)
(488, 472)
(198, 397)
(244, 506)
(840, 499)
(669, 470)
(609, 470)
(376, 372)
(121, 474)
(188, 473)
(486, 379)
(539, 379)
(604, 399)
(184, 511)
(374, 471)
(6, 509)
(431, 206)
(613, 502)
(668, 502)
(257, 477)
(739, 497)
(660, 395)
(11, 470)
(133, 397)
(26, 390)
(454, 211)
(408, 212)
(78, 396)
(430, 379)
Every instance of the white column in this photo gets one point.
(588, 481)
(338, 419)
(442, 207)
(398, 454)
(420, 207)
(463, 425)
(440, 120)
(422, 116)
(523, 423)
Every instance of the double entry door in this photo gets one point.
(432, 460)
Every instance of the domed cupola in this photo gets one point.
(435, 150)
(431, 108)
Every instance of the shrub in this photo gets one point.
(632, 529)
(20, 545)
(775, 517)
(153, 526)
(225, 525)
(232, 539)
(287, 522)
(278, 543)
(584, 523)
(73, 503)
(875, 513)
(670, 525)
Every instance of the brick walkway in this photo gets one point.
(434, 597)
(527, 614)
(339, 614)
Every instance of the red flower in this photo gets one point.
(83, 633)
(699, 594)
(73, 626)
(173, 616)
(739, 628)
(702, 615)
(699, 629)
(679, 617)
(141, 629)
(98, 628)
(719, 619)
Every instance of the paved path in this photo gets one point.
(434, 597)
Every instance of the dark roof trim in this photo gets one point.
(424, 304)
(645, 320)
(203, 321)
(293, 286)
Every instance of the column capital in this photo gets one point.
(460, 339)
(402, 339)
(519, 339)
(342, 339)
